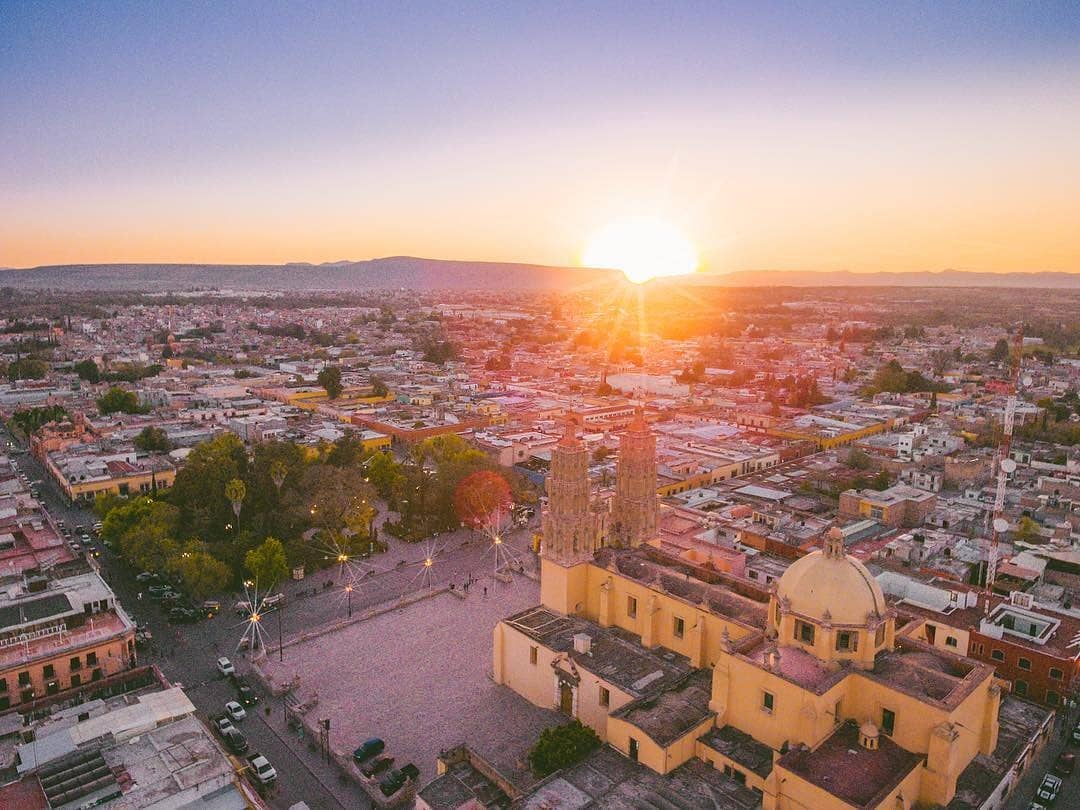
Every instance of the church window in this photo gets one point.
(997, 655)
(847, 641)
(804, 632)
(605, 697)
(1024, 663)
(534, 653)
(888, 721)
(767, 702)
(631, 607)
(1055, 673)
(678, 627)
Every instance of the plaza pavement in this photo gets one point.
(419, 678)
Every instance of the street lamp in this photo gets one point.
(342, 558)
(348, 590)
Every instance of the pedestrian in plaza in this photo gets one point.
(140, 596)
(485, 591)
(465, 587)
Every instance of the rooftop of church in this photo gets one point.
(725, 596)
(669, 715)
(614, 654)
(913, 668)
(607, 780)
(740, 748)
(860, 776)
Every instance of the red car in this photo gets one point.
(1065, 764)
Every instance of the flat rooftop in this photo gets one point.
(673, 712)
(856, 775)
(615, 654)
(606, 780)
(741, 748)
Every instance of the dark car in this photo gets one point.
(1075, 739)
(236, 741)
(368, 749)
(373, 767)
(179, 615)
(396, 779)
(246, 695)
(1065, 764)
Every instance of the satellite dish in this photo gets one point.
(1008, 465)
(1000, 524)
(1026, 380)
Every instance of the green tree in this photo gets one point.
(1000, 352)
(330, 379)
(201, 573)
(1027, 530)
(88, 370)
(561, 747)
(143, 532)
(378, 387)
(27, 368)
(117, 399)
(153, 440)
(267, 563)
(30, 420)
(199, 489)
(880, 481)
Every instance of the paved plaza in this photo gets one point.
(419, 678)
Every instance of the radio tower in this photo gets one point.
(1003, 463)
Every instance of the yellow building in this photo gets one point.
(807, 693)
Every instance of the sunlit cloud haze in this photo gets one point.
(810, 137)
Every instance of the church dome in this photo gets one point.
(831, 586)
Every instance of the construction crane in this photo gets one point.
(1004, 465)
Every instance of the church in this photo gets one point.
(812, 693)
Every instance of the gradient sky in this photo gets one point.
(795, 136)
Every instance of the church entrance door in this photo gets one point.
(566, 699)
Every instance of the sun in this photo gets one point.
(643, 249)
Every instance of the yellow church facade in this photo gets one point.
(808, 693)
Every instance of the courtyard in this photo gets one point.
(418, 677)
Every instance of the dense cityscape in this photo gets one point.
(236, 525)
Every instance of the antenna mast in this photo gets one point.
(1003, 463)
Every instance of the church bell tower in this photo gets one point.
(636, 509)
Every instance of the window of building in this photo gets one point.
(848, 641)
(804, 632)
(605, 697)
(678, 626)
(76, 680)
(1020, 687)
(997, 655)
(75, 663)
(631, 607)
(879, 636)
(3, 684)
(767, 701)
(52, 687)
(96, 676)
(632, 749)
(1055, 673)
(950, 641)
(534, 653)
(26, 696)
(5, 703)
(1052, 698)
(778, 613)
(48, 671)
(836, 713)
(1024, 663)
(24, 678)
(91, 659)
(738, 776)
(888, 721)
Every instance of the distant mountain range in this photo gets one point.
(433, 274)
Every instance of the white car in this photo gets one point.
(225, 667)
(235, 711)
(261, 769)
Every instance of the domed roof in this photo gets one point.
(830, 582)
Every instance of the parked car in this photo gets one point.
(242, 608)
(245, 694)
(222, 724)
(158, 588)
(1065, 763)
(396, 779)
(236, 741)
(145, 576)
(261, 769)
(235, 711)
(225, 666)
(211, 607)
(1075, 739)
(273, 602)
(182, 615)
(1049, 789)
(373, 767)
(368, 749)
(94, 551)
